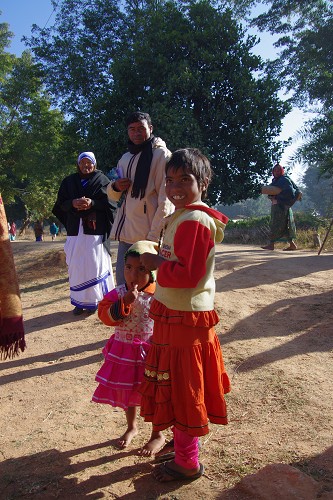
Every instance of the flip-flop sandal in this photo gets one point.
(164, 458)
(168, 455)
(179, 476)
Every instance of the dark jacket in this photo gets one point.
(98, 219)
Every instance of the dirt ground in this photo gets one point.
(277, 337)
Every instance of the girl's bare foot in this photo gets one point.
(127, 437)
(154, 444)
(167, 448)
(166, 453)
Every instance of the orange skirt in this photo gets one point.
(185, 379)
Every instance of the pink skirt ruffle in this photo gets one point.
(121, 374)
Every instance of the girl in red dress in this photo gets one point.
(185, 380)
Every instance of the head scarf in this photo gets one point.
(141, 247)
(89, 155)
(280, 170)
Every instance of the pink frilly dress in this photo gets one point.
(121, 374)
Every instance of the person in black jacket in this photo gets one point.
(83, 207)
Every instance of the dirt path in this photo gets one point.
(277, 337)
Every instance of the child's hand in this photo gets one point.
(131, 295)
(151, 261)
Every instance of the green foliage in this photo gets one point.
(309, 220)
(303, 220)
(317, 149)
(247, 209)
(255, 230)
(250, 223)
(305, 65)
(188, 64)
(318, 192)
(6, 60)
(34, 139)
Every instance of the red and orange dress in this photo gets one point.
(185, 379)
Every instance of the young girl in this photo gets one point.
(126, 308)
(185, 380)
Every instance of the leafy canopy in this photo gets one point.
(34, 139)
(305, 66)
(188, 64)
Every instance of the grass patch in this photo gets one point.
(256, 230)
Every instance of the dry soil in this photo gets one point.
(277, 338)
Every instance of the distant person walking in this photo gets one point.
(280, 192)
(12, 231)
(54, 230)
(39, 230)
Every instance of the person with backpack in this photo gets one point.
(283, 193)
(54, 230)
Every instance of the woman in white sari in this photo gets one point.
(83, 208)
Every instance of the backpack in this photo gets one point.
(297, 193)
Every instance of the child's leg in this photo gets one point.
(186, 464)
(132, 428)
(168, 450)
(186, 450)
(155, 443)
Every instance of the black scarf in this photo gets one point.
(143, 167)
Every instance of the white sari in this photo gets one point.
(89, 269)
